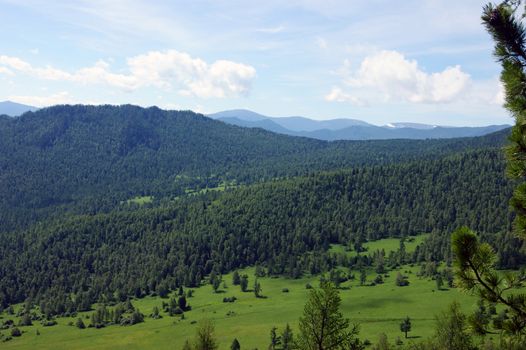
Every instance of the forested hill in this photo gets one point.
(87, 159)
(275, 224)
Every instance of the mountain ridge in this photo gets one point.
(347, 129)
(88, 159)
(13, 109)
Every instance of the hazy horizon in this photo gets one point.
(320, 59)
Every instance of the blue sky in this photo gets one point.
(379, 61)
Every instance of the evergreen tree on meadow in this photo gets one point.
(80, 323)
(244, 283)
(363, 276)
(204, 337)
(275, 339)
(287, 338)
(257, 289)
(236, 279)
(322, 325)
(235, 345)
(405, 326)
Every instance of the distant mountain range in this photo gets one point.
(14, 109)
(347, 129)
(329, 130)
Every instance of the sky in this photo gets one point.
(380, 61)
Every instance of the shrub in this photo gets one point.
(25, 320)
(80, 324)
(285, 290)
(15, 332)
(401, 280)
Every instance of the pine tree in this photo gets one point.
(363, 276)
(475, 261)
(257, 289)
(275, 339)
(80, 324)
(235, 345)
(236, 279)
(244, 283)
(204, 338)
(322, 326)
(287, 338)
(451, 330)
(405, 326)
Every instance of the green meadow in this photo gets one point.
(377, 309)
(387, 244)
(140, 200)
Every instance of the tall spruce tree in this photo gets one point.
(475, 261)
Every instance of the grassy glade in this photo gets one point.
(377, 308)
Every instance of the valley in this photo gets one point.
(377, 309)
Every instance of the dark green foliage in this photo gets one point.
(475, 269)
(236, 280)
(155, 313)
(275, 339)
(322, 325)
(401, 280)
(108, 257)
(49, 323)
(181, 302)
(173, 307)
(162, 290)
(80, 323)
(439, 282)
(509, 34)
(87, 159)
(204, 337)
(235, 345)
(25, 320)
(405, 326)
(244, 283)
(257, 288)
(363, 276)
(452, 330)
(287, 338)
(15, 332)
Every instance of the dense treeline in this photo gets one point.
(87, 159)
(278, 224)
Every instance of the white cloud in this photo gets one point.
(168, 69)
(390, 76)
(220, 79)
(338, 95)
(4, 70)
(390, 73)
(42, 101)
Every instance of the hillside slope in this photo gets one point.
(87, 159)
(277, 224)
